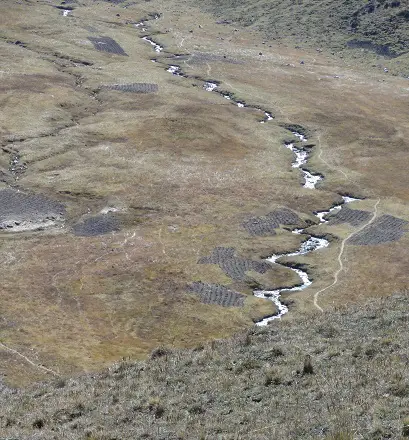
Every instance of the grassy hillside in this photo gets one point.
(380, 26)
(256, 385)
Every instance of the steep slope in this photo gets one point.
(341, 375)
(380, 26)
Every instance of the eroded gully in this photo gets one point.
(300, 159)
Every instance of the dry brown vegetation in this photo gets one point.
(340, 375)
(184, 168)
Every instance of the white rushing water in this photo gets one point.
(273, 296)
(345, 199)
(322, 214)
(300, 136)
(313, 243)
(158, 48)
(210, 86)
(267, 116)
(301, 158)
(174, 70)
(310, 179)
(310, 245)
(348, 199)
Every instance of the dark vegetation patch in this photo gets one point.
(98, 225)
(107, 44)
(232, 266)
(217, 294)
(134, 87)
(380, 25)
(267, 225)
(65, 8)
(383, 230)
(295, 128)
(354, 217)
(380, 49)
(321, 377)
(17, 207)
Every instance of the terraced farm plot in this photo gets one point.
(217, 294)
(354, 217)
(98, 225)
(107, 44)
(234, 267)
(267, 225)
(386, 228)
(134, 87)
(19, 210)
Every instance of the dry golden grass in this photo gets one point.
(186, 167)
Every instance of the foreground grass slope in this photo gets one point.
(253, 386)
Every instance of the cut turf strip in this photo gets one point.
(217, 294)
(98, 225)
(232, 266)
(266, 225)
(354, 217)
(134, 87)
(21, 211)
(107, 44)
(385, 229)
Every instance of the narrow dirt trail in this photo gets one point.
(37, 366)
(341, 252)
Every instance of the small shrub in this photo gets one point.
(9, 422)
(405, 429)
(247, 364)
(159, 411)
(196, 409)
(60, 383)
(272, 378)
(245, 340)
(38, 424)
(308, 368)
(370, 352)
(328, 331)
(159, 352)
(400, 390)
